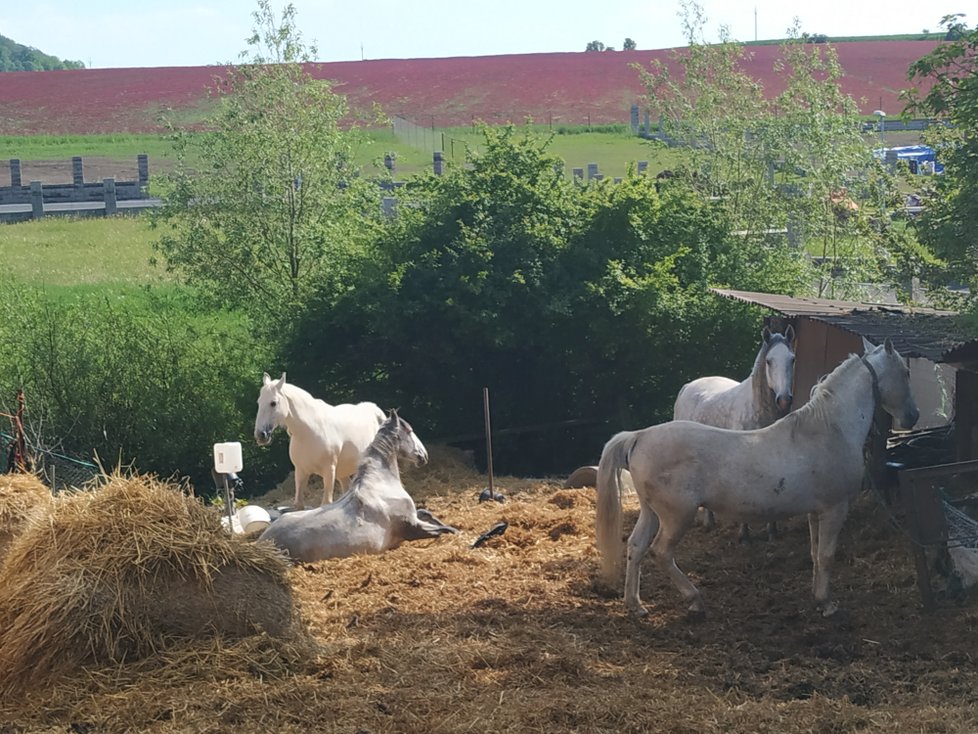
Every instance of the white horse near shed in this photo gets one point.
(810, 462)
(757, 401)
(377, 514)
(324, 439)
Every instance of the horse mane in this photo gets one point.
(385, 442)
(819, 405)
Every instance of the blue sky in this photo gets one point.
(109, 33)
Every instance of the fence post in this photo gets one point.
(37, 200)
(578, 173)
(15, 172)
(439, 163)
(77, 171)
(388, 205)
(142, 165)
(389, 163)
(643, 166)
(634, 119)
(592, 170)
(108, 191)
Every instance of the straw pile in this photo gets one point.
(23, 497)
(120, 572)
(518, 635)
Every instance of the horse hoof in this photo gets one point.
(638, 612)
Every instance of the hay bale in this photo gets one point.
(23, 497)
(122, 571)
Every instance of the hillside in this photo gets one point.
(18, 57)
(569, 88)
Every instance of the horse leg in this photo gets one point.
(301, 478)
(329, 479)
(663, 547)
(829, 525)
(638, 544)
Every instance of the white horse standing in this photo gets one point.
(324, 439)
(375, 515)
(810, 462)
(756, 402)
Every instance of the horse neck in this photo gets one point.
(845, 401)
(379, 460)
(301, 408)
(765, 409)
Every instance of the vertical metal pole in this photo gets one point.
(485, 405)
(228, 505)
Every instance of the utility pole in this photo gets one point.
(755, 23)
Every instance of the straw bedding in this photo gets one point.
(517, 635)
(23, 497)
(117, 573)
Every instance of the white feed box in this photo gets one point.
(227, 457)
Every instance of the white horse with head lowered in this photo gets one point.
(324, 439)
(377, 513)
(756, 402)
(810, 462)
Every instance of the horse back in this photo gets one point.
(715, 401)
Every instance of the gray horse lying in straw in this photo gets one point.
(375, 515)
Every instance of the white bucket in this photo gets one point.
(253, 518)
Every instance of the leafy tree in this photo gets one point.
(561, 297)
(267, 205)
(951, 73)
(595, 46)
(18, 57)
(628, 45)
(774, 161)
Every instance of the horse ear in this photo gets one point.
(265, 379)
(766, 334)
(867, 346)
(888, 345)
(281, 380)
(789, 334)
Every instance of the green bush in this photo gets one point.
(570, 302)
(136, 376)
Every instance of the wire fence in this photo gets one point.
(59, 471)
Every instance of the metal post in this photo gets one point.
(108, 193)
(228, 504)
(37, 200)
(485, 406)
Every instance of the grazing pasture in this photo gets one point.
(518, 635)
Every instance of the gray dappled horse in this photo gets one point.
(375, 515)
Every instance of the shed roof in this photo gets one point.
(917, 332)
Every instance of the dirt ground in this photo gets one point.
(517, 635)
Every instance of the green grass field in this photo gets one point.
(61, 251)
(613, 151)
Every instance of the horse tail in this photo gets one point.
(614, 460)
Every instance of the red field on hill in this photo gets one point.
(558, 88)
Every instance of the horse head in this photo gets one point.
(409, 446)
(779, 366)
(273, 409)
(891, 382)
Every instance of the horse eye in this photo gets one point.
(273, 403)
